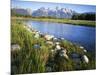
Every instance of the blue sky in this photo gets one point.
(35, 5)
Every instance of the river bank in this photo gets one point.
(39, 52)
(65, 21)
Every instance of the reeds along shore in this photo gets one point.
(34, 52)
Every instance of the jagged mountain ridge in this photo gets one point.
(58, 13)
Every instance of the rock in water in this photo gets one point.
(58, 47)
(85, 50)
(81, 47)
(50, 42)
(48, 37)
(62, 38)
(85, 58)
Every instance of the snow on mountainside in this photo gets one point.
(58, 13)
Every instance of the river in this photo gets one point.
(81, 35)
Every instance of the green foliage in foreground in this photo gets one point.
(19, 35)
(28, 59)
(31, 60)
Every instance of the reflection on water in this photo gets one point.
(82, 35)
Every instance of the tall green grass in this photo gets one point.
(35, 60)
(28, 59)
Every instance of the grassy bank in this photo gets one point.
(30, 59)
(65, 21)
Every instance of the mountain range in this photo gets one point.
(43, 12)
(58, 13)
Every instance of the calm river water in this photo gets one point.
(82, 35)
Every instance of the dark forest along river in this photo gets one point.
(82, 35)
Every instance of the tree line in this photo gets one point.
(84, 16)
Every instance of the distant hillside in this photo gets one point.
(20, 11)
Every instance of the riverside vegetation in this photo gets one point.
(59, 20)
(36, 54)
